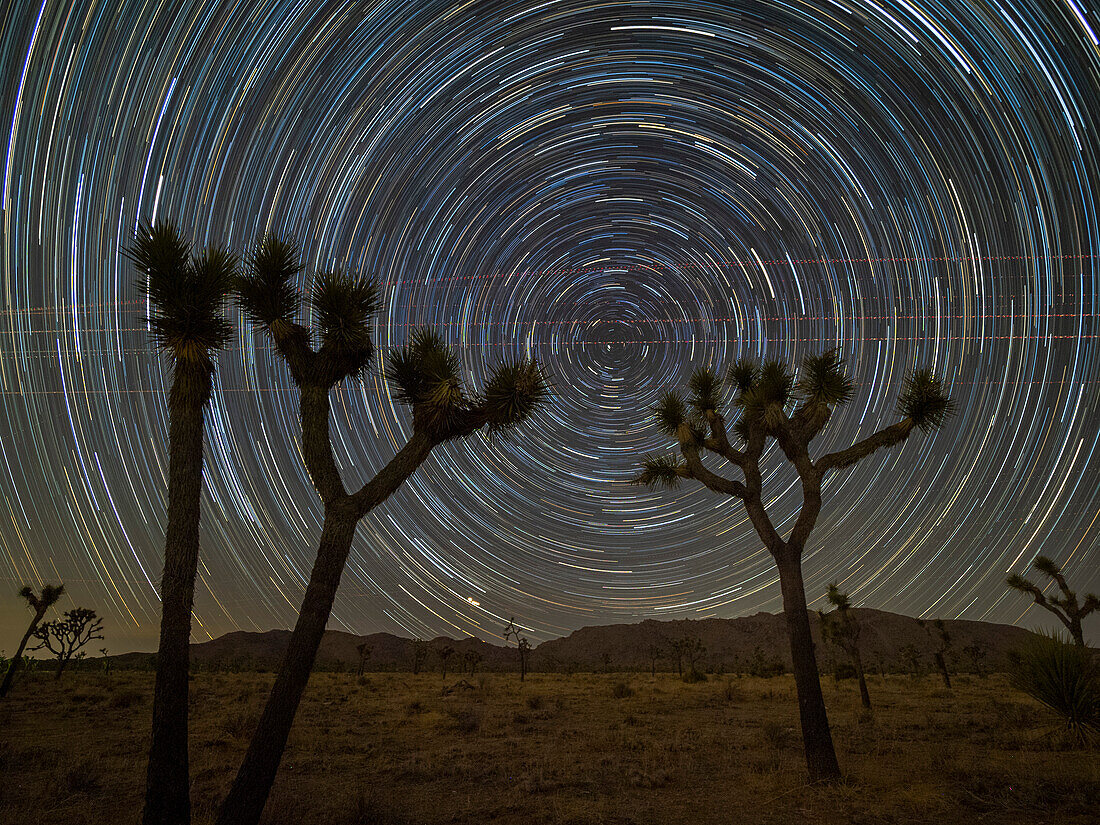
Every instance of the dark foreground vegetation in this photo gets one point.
(621, 748)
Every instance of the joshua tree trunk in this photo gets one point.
(17, 659)
(167, 794)
(864, 696)
(250, 790)
(816, 737)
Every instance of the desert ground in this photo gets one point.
(583, 749)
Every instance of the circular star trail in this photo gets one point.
(625, 192)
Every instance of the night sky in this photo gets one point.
(625, 191)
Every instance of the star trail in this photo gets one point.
(625, 191)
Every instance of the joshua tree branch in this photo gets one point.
(292, 342)
(316, 445)
(390, 477)
(719, 440)
(886, 437)
(719, 484)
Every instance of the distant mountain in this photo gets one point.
(731, 645)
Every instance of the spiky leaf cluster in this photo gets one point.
(513, 393)
(425, 375)
(268, 292)
(837, 598)
(343, 306)
(1065, 678)
(772, 391)
(743, 374)
(671, 412)
(661, 471)
(924, 400)
(706, 391)
(822, 380)
(187, 295)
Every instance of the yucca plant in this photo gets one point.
(38, 602)
(1065, 677)
(425, 375)
(187, 295)
(771, 403)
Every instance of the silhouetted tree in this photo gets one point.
(41, 602)
(420, 650)
(187, 296)
(106, 664)
(471, 659)
(977, 654)
(523, 646)
(678, 648)
(773, 405)
(911, 656)
(444, 652)
(692, 649)
(364, 651)
(65, 637)
(941, 641)
(842, 629)
(653, 651)
(424, 374)
(1068, 610)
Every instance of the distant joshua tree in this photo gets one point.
(911, 656)
(187, 295)
(941, 642)
(773, 405)
(977, 654)
(444, 652)
(106, 664)
(45, 599)
(842, 629)
(1068, 610)
(653, 652)
(523, 646)
(65, 637)
(426, 375)
(471, 658)
(420, 651)
(692, 649)
(364, 651)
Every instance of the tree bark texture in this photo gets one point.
(864, 696)
(817, 739)
(167, 793)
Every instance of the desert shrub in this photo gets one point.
(622, 690)
(765, 667)
(692, 676)
(731, 692)
(126, 698)
(777, 735)
(535, 702)
(1065, 678)
(414, 707)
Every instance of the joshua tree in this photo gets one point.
(679, 647)
(187, 295)
(941, 641)
(444, 652)
(911, 656)
(523, 646)
(106, 664)
(47, 597)
(773, 405)
(420, 649)
(364, 653)
(424, 374)
(471, 658)
(692, 649)
(1068, 610)
(842, 629)
(65, 637)
(653, 651)
(977, 654)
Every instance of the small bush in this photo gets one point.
(414, 707)
(535, 702)
(622, 690)
(1063, 677)
(126, 698)
(465, 721)
(692, 676)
